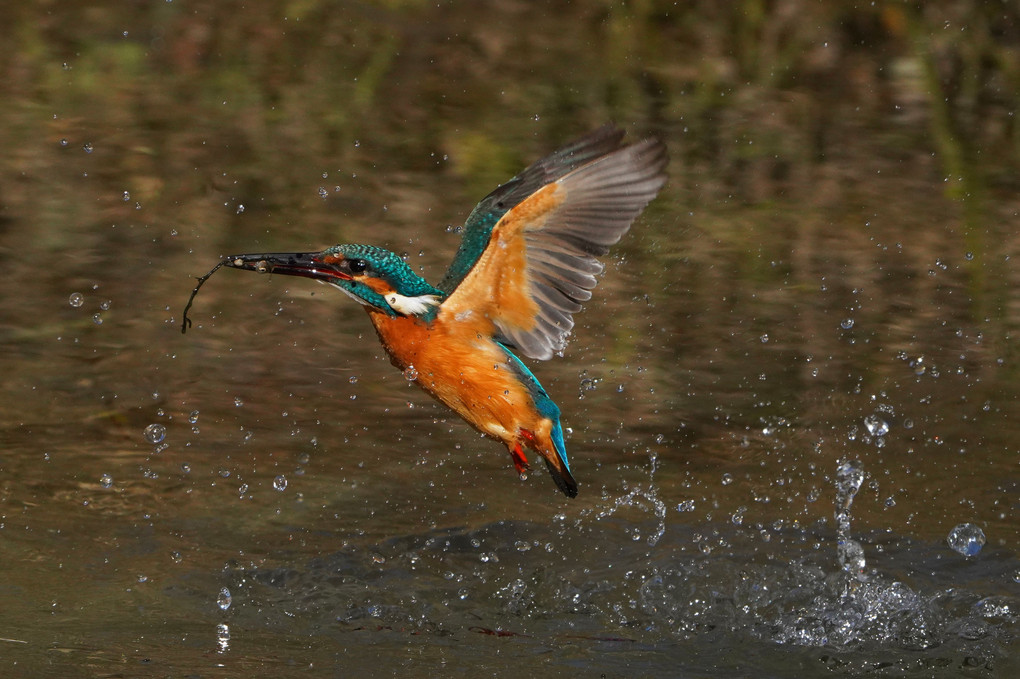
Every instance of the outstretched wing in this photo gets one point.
(479, 224)
(539, 265)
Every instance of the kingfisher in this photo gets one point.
(526, 263)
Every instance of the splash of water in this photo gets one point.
(644, 498)
(849, 477)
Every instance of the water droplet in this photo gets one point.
(240, 209)
(176, 557)
(238, 402)
(105, 305)
(280, 482)
(685, 506)
(224, 599)
(846, 323)
(87, 147)
(97, 319)
(764, 338)
(323, 193)
(410, 373)
(222, 638)
(154, 433)
(76, 299)
(727, 479)
(851, 556)
(353, 379)
(185, 467)
(193, 417)
(876, 425)
(849, 477)
(966, 539)
(106, 481)
(127, 196)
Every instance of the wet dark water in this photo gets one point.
(798, 376)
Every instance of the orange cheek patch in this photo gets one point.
(376, 284)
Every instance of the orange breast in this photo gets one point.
(464, 369)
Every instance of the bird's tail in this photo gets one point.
(562, 477)
(555, 455)
(557, 463)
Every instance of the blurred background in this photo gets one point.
(791, 406)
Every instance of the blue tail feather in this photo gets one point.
(549, 409)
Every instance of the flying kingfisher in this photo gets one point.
(526, 262)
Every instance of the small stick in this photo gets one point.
(202, 279)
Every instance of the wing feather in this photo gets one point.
(479, 224)
(539, 264)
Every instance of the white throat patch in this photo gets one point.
(411, 306)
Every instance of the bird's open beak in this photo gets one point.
(306, 264)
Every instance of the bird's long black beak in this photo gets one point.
(306, 264)
(312, 265)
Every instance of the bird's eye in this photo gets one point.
(357, 265)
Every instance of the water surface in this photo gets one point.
(798, 375)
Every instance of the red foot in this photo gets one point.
(520, 462)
